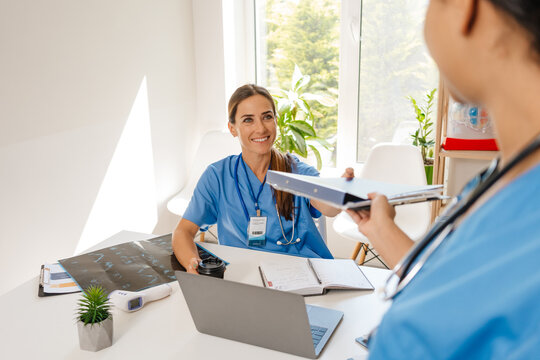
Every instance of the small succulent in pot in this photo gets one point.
(94, 319)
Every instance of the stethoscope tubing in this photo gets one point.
(295, 218)
(402, 268)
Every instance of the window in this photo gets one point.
(303, 33)
(371, 53)
(394, 64)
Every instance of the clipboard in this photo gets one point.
(41, 287)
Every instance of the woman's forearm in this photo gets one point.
(325, 209)
(391, 243)
(183, 246)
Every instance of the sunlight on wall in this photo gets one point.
(127, 196)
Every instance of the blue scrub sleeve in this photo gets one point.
(303, 168)
(203, 206)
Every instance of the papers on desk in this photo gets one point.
(131, 266)
(313, 276)
(351, 194)
(55, 280)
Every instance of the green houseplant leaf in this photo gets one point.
(300, 143)
(317, 156)
(304, 127)
(421, 136)
(296, 119)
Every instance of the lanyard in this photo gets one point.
(256, 199)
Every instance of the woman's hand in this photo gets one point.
(349, 173)
(193, 265)
(371, 221)
(184, 247)
(379, 227)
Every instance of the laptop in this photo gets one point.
(258, 316)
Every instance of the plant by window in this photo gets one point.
(295, 118)
(421, 137)
(94, 307)
(306, 33)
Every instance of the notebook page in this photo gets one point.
(340, 272)
(289, 274)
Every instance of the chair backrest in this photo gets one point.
(403, 164)
(395, 163)
(320, 223)
(214, 145)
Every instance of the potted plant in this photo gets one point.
(94, 319)
(421, 137)
(295, 118)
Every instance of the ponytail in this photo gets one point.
(284, 200)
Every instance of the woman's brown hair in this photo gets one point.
(278, 160)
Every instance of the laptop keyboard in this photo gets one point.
(317, 333)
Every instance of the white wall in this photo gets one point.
(211, 100)
(97, 109)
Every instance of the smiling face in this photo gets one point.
(254, 125)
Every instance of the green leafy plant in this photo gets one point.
(295, 118)
(94, 307)
(422, 137)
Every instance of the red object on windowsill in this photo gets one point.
(470, 144)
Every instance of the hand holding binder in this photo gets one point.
(346, 193)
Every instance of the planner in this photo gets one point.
(313, 276)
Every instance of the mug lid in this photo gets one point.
(211, 265)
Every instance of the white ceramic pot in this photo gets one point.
(94, 337)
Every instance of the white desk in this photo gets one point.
(44, 328)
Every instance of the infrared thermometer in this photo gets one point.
(130, 301)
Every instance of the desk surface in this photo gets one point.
(45, 327)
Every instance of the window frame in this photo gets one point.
(239, 22)
(349, 82)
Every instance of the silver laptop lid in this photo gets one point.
(254, 315)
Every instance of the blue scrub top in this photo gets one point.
(215, 200)
(477, 296)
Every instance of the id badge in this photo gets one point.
(257, 231)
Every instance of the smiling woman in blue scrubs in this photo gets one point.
(233, 192)
(472, 292)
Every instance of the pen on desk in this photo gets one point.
(313, 270)
(263, 278)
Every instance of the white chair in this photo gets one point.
(320, 223)
(214, 145)
(392, 163)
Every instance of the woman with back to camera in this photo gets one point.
(470, 289)
(233, 192)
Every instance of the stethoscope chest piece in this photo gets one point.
(289, 242)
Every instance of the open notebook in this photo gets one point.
(313, 276)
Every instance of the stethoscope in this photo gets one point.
(290, 241)
(408, 267)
